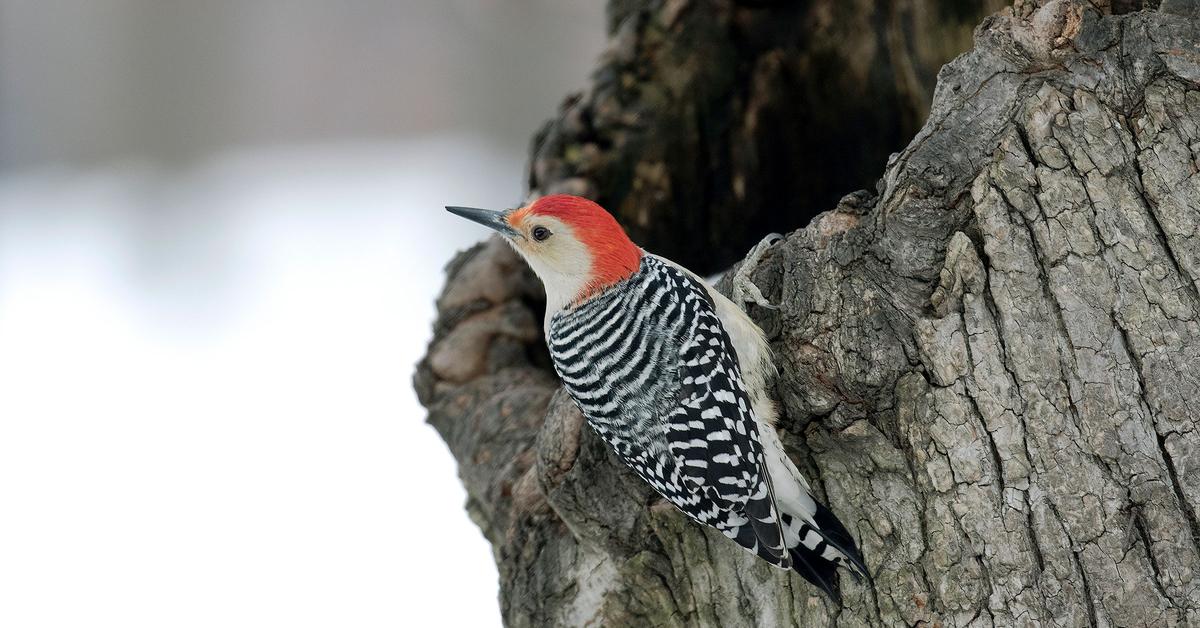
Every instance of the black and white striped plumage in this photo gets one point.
(651, 366)
(675, 377)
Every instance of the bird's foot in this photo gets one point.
(744, 289)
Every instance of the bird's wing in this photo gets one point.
(711, 430)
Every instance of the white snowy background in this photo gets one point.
(221, 234)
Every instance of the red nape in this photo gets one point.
(614, 256)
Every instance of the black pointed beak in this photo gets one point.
(486, 217)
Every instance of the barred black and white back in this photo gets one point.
(654, 369)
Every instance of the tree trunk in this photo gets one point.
(711, 122)
(989, 366)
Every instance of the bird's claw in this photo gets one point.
(744, 289)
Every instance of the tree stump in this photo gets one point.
(989, 364)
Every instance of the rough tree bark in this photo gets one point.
(710, 123)
(990, 365)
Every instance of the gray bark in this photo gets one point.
(712, 122)
(990, 368)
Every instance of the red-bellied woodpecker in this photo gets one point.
(674, 377)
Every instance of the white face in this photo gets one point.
(561, 261)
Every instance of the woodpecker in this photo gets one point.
(674, 377)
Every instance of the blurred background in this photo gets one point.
(221, 234)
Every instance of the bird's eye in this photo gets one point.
(540, 233)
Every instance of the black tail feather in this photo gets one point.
(822, 573)
(835, 534)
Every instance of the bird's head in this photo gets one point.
(575, 247)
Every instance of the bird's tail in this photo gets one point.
(819, 546)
